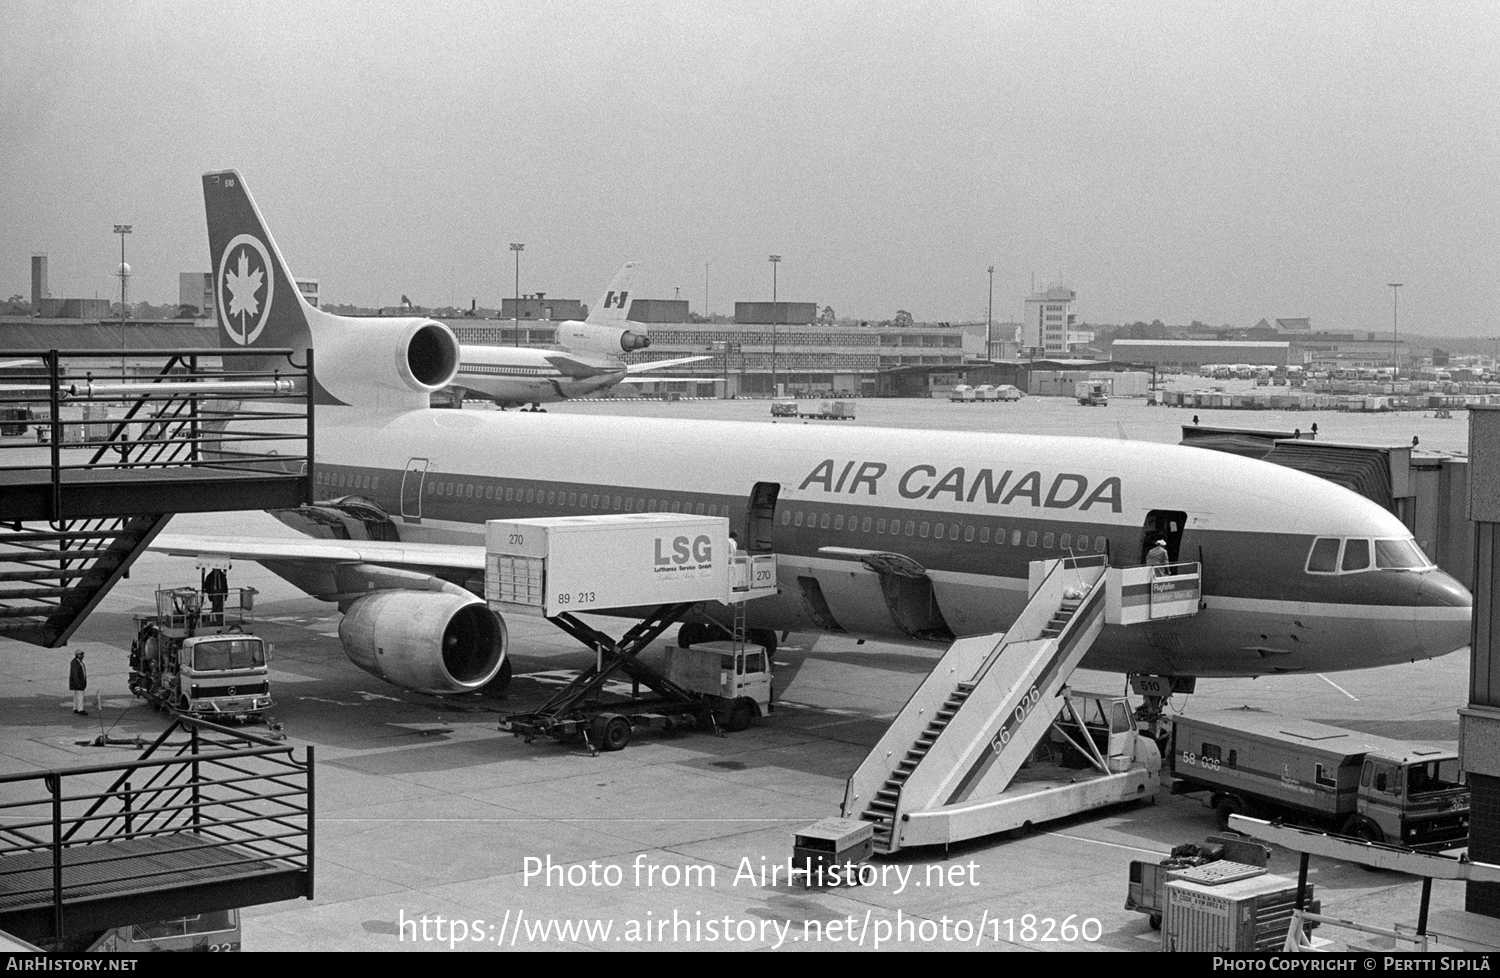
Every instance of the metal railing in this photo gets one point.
(215, 801)
(203, 408)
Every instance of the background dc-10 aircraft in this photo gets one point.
(589, 362)
(878, 533)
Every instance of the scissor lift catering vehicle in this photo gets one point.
(652, 566)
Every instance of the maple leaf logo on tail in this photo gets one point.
(241, 312)
(243, 286)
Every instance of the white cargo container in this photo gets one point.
(593, 563)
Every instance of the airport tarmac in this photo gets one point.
(426, 811)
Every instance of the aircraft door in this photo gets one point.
(411, 490)
(1163, 524)
(760, 518)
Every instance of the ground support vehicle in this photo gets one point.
(994, 740)
(721, 685)
(553, 567)
(963, 394)
(1360, 785)
(824, 411)
(1230, 859)
(1092, 393)
(196, 655)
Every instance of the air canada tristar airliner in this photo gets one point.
(588, 364)
(894, 535)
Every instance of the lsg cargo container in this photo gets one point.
(587, 563)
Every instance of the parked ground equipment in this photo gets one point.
(1367, 787)
(196, 655)
(660, 565)
(1230, 859)
(1092, 393)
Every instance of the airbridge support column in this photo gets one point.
(1479, 722)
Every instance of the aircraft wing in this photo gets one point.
(437, 559)
(640, 368)
(575, 368)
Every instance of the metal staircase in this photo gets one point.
(181, 440)
(887, 801)
(967, 724)
(883, 807)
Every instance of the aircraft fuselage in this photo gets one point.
(967, 511)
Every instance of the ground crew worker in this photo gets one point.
(78, 681)
(1158, 557)
(216, 586)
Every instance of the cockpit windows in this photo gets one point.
(1356, 555)
(1324, 558)
(1331, 555)
(1400, 553)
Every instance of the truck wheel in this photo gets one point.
(1155, 920)
(616, 732)
(1359, 827)
(1227, 806)
(742, 714)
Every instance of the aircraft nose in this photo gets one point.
(1443, 591)
(1441, 615)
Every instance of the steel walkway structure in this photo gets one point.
(115, 454)
(207, 818)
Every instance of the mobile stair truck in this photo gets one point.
(653, 567)
(994, 739)
(1363, 786)
(196, 655)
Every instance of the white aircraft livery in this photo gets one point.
(589, 362)
(895, 535)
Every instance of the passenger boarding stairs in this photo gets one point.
(85, 498)
(971, 725)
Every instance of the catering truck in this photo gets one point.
(654, 567)
(1356, 784)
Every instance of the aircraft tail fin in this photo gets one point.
(613, 306)
(257, 301)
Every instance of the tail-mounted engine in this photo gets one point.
(398, 363)
(608, 341)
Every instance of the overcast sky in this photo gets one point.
(1220, 162)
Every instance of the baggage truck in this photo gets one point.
(1359, 785)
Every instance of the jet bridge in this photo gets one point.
(994, 739)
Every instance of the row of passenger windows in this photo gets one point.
(924, 529)
(1331, 555)
(347, 480)
(573, 500)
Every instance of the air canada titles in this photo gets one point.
(1004, 487)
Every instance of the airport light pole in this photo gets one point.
(775, 262)
(1395, 368)
(122, 230)
(989, 320)
(517, 248)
